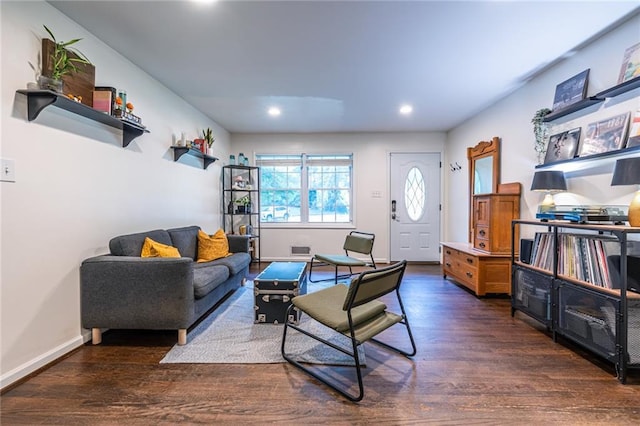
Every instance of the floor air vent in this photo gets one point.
(300, 250)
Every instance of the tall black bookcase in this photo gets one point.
(241, 204)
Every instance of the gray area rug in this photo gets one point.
(229, 336)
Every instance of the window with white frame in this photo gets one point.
(306, 188)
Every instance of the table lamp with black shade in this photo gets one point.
(548, 181)
(627, 172)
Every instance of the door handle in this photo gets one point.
(393, 209)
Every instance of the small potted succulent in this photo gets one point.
(64, 60)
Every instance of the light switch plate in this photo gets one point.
(7, 170)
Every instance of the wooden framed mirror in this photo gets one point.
(484, 167)
(484, 174)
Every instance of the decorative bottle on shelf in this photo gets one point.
(232, 160)
(241, 159)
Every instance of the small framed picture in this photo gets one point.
(571, 91)
(605, 135)
(563, 146)
(634, 131)
(630, 67)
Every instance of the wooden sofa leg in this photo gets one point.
(96, 336)
(182, 336)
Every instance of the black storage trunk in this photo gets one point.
(274, 288)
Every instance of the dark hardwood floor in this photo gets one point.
(475, 365)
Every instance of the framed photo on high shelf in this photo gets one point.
(630, 67)
(634, 131)
(605, 135)
(562, 146)
(571, 91)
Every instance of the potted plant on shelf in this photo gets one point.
(244, 205)
(63, 61)
(540, 131)
(208, 139)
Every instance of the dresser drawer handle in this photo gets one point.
(448, 251)
(482, 232)
(448, 264)
(469, 274)
(482, 245)
(470, 260)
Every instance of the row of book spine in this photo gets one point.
(580, 256)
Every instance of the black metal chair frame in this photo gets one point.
(348, 260)
(351, 303)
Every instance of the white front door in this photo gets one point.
(414, 208)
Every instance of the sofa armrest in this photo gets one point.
(238, 243)
(136, 292)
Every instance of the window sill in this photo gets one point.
(275, 225)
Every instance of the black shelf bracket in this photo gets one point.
(38, 100)
(179, 151)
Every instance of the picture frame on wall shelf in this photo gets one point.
(571, 91)
(634, 131)
(563, 146)
(630, 67)
(605, 135)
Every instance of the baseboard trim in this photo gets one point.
(41, 361)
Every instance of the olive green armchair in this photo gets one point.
(354, 311)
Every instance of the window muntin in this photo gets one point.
(313, 188)
(414, 194)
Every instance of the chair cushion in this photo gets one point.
(325, 306)
(131, 244)
(152, 248)
(185, 239)
(207, 277)
(339, 259)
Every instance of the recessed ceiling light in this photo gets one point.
(406, 109)
(274, 111)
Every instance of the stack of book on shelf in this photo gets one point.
(580, 256)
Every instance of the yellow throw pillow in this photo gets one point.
(152, 248)
(212, 247)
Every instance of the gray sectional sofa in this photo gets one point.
(122, 290)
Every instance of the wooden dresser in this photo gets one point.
(480, 272)
(484, 264)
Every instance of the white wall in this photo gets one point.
(77, 187)
(371, 173)
(510, 119)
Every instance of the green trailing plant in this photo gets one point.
(540, 132)
(62, 62)
(208, 136)
(243, 201)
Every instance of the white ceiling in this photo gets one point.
(344, 66)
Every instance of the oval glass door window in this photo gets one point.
(414, 194)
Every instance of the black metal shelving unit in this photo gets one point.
(239, 182)
(603, 320)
